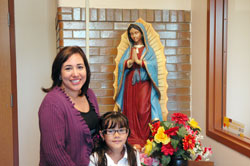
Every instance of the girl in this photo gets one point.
(113, 148)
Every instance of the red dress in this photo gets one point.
(137, 106)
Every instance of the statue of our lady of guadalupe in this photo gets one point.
(141, 80)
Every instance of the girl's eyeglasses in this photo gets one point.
(113, 131)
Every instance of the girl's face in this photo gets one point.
(115, 138)
(73, 73)
(136, 36)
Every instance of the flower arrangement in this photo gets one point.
(178, 138)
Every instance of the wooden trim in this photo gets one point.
(13, 82)
(201, 163)
(216, 78)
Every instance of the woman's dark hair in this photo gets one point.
(108, 121)
(137, 28)
(62, 57)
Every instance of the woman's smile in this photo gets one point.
(73, 74)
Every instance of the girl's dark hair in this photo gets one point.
(108, 121)
(137, 28)
(62, 57)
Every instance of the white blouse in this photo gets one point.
(110, 162)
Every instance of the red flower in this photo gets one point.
(179, 118)
(172, 131)
(188, 142)
(198, 158)
(168, 149)
(155, 126)
(207, 149)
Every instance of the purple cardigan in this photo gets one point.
(65, 136)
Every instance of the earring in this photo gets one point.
(60, 78)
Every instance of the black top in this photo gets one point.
(91, 118)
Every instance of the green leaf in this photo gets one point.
(167, 124)
(174, 143)
(155, 147)
(151, 127)
(182, 132)
(180, 152)
(186, 155)
(165, 160)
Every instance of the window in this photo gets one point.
(216, 78)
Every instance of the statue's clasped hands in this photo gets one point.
(134, 59)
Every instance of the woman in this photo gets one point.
(137, 90)
(69, 113)
(113, 148)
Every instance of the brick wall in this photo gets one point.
(106, 27)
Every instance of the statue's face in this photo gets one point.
(136, 36)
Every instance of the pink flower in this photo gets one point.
(189, 130)
(148, 160)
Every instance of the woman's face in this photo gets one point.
(136, 36)
(73, 73)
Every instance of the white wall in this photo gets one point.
(35, 50)
(129, 4)
(222, 155)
